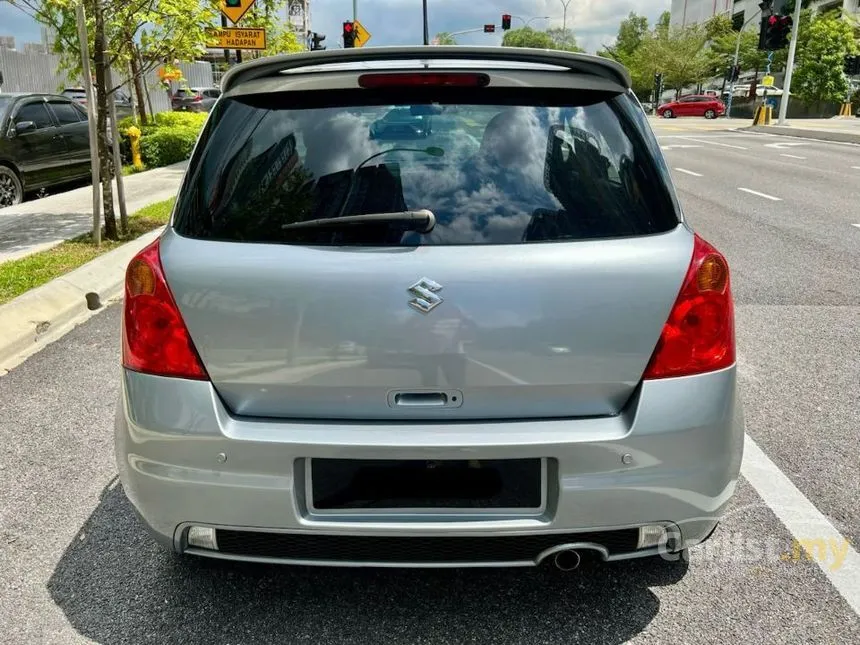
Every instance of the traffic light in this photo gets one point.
(348, 34)
(506, 21)
(233, 3)
(489, 29)
(852, 65)
(775, 32)
(316, 42)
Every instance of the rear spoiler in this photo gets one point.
(579, 63)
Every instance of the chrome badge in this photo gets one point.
(425, 299)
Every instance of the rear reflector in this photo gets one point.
(699, 335)
(154, 337)
(423, 79)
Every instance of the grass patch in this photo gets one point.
(19, 276)
(129, 169)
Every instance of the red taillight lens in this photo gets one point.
(423, 79)
(700, 333)
(154, 337)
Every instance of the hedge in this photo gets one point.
(168, 138)
(168, 145)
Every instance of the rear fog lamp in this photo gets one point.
(651, 535)
(204, 537)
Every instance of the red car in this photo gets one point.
(709, 107)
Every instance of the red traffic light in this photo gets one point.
(347, 27)
(506, 21)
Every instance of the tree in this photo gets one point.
(631, 31)
(133, 35)
(678, 53)
(550, 39)
(819, 75)
(445, 38)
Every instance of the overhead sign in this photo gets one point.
(237, 38)
(361, 34)
(235, 9)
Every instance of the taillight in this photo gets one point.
(198, 98)
(154, 337)
(423, 79)
(699, 335)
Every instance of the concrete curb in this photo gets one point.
(44, 314)
(822, 135)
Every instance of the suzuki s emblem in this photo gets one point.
(425, 299)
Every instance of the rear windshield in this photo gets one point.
(492, 168)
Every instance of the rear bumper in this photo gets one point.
(672, 458)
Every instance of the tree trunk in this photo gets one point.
(137, 82)
(99, 59)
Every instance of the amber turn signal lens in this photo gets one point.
(140, 279)
(713, 274)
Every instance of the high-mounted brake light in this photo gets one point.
(155, 339)
(699, 335)
(423, 79)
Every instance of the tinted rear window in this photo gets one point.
(491, 167)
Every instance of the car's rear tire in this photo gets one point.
(11, 190)
(710, 114)
(668, 114)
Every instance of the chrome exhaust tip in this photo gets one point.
(567, 560)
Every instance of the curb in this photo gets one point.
(821, 135)
(44, 314)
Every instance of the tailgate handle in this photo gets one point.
(425, 398)
(420, 399)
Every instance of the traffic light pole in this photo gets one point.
(789, 65)
(426, 26)
(735, 64)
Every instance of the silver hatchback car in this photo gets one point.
(492, 340)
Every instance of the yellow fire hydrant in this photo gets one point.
(134, 138)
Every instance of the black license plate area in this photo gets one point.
(494, 485)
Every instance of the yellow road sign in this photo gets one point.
(236, 38)
(767, 81)
(235, 9)
(361, 34)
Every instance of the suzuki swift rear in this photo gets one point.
(428, 307)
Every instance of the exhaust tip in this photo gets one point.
(567, 560)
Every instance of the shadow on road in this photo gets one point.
(116, 586)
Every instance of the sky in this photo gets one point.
(399, 22)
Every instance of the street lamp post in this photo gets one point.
(735, 63)
(564, 3)
(789, 65)
(526, 23)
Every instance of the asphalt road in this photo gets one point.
(75, 565)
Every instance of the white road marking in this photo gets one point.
(856, 167)
(784, 144)
(689, 172)
(717, 143)
(792, 156)
(755, 192)
(677, 145)
(805, 522)
(502, 373)
(857, 225)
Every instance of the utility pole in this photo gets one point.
(789, 65)
(355, 10)
(735, 63)
(91, 117)
(426, 26)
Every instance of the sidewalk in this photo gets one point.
(845, 130)
(42, 223)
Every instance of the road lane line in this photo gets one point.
(689, 172)
(805, 522)
(857, 225)
(792, 156)
(856, 167)
(765, 195)
(716, 143)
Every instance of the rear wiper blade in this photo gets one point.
(422, 221)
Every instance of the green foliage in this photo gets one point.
(445, 38)
(555, 38)
(825, 42)
(165, 146)
(631, 31)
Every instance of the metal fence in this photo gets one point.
(37, 72)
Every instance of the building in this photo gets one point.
(691, 12)
(7, 42)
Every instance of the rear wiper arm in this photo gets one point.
(422, 221)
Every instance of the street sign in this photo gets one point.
(361, 34)
(236, 38)
(767, 81)
(235, 9)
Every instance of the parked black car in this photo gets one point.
(44, 141)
